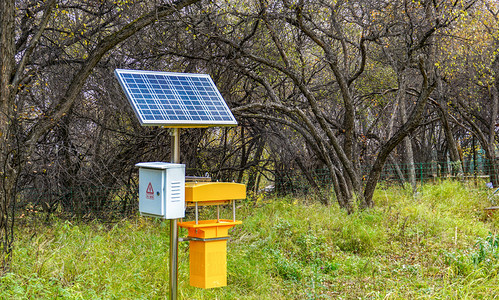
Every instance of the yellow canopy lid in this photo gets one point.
(214, 191)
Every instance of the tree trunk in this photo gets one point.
(7, 140)
(409, 154)
(455, 158)
(244, 156)
(408, 127)
(494, 93)
(252, 184)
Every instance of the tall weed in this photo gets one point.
(436, 244)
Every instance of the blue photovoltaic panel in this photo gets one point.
(175, 99)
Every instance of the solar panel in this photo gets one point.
(175, 99)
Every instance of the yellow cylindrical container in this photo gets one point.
(208, 252)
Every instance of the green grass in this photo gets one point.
(439, 244)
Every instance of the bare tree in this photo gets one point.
(309, 60)
(32, 40)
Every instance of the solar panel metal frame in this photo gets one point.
(155, 98)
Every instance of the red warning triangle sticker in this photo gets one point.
(149, 191)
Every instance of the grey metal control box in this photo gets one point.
(162, 190)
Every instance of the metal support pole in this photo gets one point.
(175, 147)
(196, 211)
(173, 259)
(233, 210)
(175, 158)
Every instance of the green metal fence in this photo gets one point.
(295, 182)
(94, 202)
(101, 202)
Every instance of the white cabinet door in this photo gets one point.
(152, 192)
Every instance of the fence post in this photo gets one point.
(421, 174)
